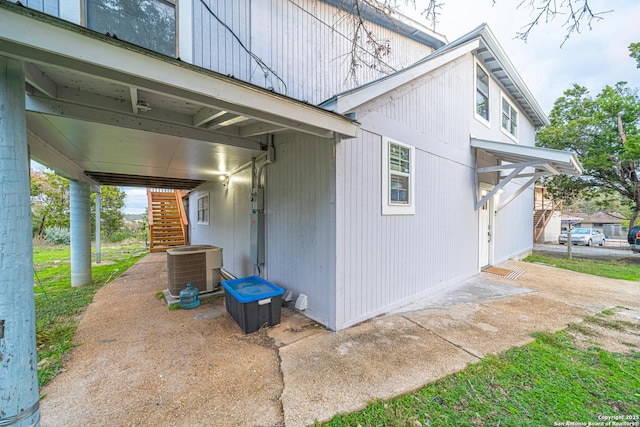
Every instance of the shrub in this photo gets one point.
(119, 236)
(57, 235)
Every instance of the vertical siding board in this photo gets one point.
(307, 50)
(401, 256)
(300, 251)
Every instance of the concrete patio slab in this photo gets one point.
(138, 363)
(341, 372)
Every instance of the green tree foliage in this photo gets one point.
(634, 52)
(49, 201)
(111, 216)
(50, 205)
(605, 133)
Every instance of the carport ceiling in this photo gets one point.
(102, 105)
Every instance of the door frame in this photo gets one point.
(483, 189)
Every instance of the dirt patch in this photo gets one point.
(616, 330)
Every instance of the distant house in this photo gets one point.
(361, 192)
(609, 223)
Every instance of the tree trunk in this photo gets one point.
(41, 226)
(634, 217)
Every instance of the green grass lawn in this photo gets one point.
(626, 269)
(549, 381)
(58, 305)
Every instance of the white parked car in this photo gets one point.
(583, 236)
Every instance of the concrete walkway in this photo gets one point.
(299, 372)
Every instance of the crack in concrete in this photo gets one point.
(276, 352)
(443, 338)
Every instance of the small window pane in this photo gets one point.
(482, 93)
(509, 118)
(149, 23)
(399, 189)
(399, 158)
(203, 210)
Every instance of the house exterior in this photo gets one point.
(361, 184)
(611, 224)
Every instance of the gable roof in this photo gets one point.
(601, 217)
(483, 43)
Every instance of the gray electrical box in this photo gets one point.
(256, 237)
(257, 199)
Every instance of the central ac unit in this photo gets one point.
(196, 264)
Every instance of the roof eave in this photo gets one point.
(31, 36)
(539, 117)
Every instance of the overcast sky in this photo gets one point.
(594, 58)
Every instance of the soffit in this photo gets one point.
(98, 104)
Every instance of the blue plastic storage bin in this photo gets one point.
(253, 302)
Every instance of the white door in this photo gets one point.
(484, 229)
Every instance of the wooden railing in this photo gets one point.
(183, 215)
(544, 216)
(150, 217)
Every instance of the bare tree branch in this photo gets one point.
(577, 13)
(371, 51)
(368, 49)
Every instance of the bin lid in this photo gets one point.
(252, 288)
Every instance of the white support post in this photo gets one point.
(19, 396)
(98, 209)
(80, 233)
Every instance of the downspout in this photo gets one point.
(258, 221)
(271, 151)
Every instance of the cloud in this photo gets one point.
(136, 200)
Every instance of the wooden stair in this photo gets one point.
(544, 207)
(167, 219)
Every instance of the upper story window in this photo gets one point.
(509, 118)
(203, 209)
(398, 177)
(482, 93)
(147, 23)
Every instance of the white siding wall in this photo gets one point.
(229, 210)
(385, 261)
(513, 232)
(305, 42)
(300, 222)
(214, 47)
(513, 225)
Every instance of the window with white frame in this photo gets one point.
(398, 177)
(509, 118)
(482, 93)
(203, 209)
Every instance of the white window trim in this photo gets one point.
(503, 98)
(389, 208)
(477, 116)
(202, 220)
